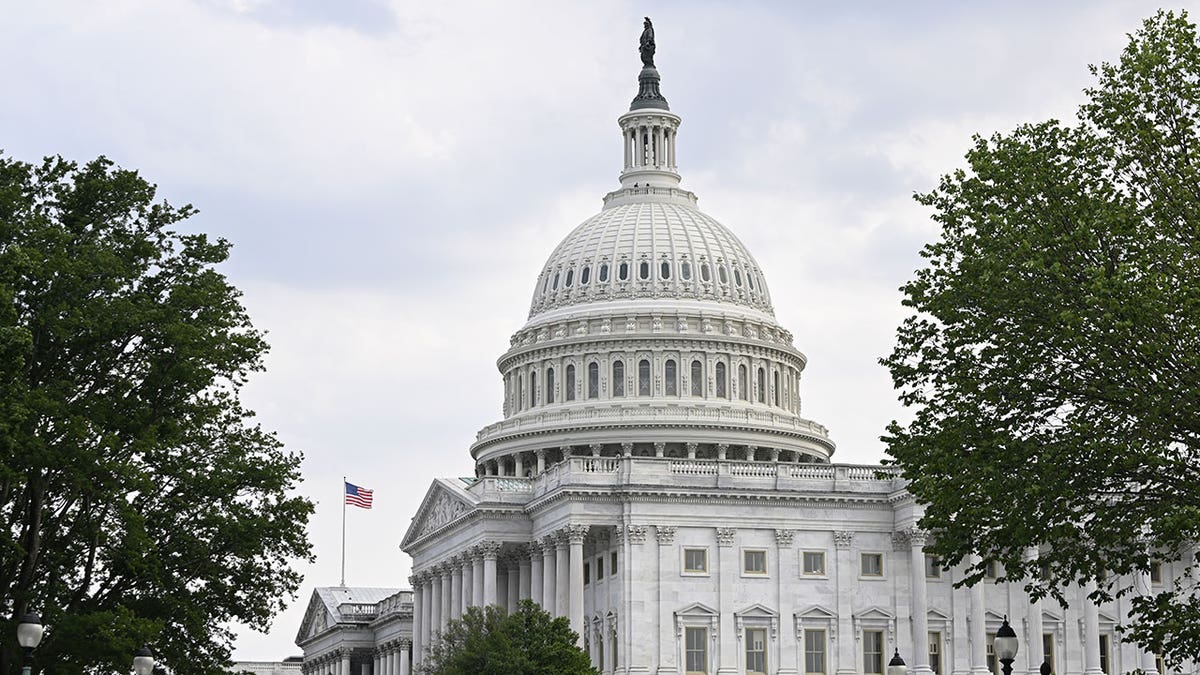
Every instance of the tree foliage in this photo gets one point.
(140, 504)
(1052, 361)
(490, 642)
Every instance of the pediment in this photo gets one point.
(989, 616)
(874, 613)
(317, 619)
(444, 503)
(1051, 617)
(816, 612)
(696, 609)
(938, 615)
(757, 611)
(1105, 617)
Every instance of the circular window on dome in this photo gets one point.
(603, 276)
(585, 276)
(665, 270)
(705, 273)
(571, 277)
(685, 270)
(623, 271)
(644, 270)
(737, 277)
(720, 273)
(554, 286)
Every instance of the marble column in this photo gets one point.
(919, 606)
(468, 580)
(1091, 633)
(418, 620)
(447, 602)
(513, 596)
(477, 570)
(435, 603)
(405, 666)
(786, 561)
(491, 549)
(575, 537)
(978, 627)
(1033, 647)
(388, 662)
(1144, 586)
(541, 461)
(344, 667)
(846, 576)
(524, 574)
(549, 574)
(727, 574)
(562, 573)
(535, 572)
(456, 588)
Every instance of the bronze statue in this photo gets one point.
(646, 46)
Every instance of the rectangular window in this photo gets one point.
(587, 573)
(754, 562)
(1156, 573)
(814, 652)
(933, 567)
(813, 563)
(873, 652)
(695, 560)
(1104, 660)
(992, 664)
(1048, 649)
(935, 653)
(696, 651)
(991, 569)
(872, 564)
(599, 568)
(612, 565)
(756, 651)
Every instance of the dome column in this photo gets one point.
(519, 465)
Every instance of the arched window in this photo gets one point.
(643, 378)
(603, 272)
(743, 384)
(618, 378)
(644, 270)
(775, 395)
(554, 286)
(585, 276)
(549, 385)
(570, 278)
(723, 274)
(671, 377)
(737, 277)
(697, 378)
(593, 380)
(722, 392)
(685, 270)
(762, 386)
(705, 274)
(750, 279)
(623, 271)
(520, 391)
(665, 270)
(569, 394)
(546, 283)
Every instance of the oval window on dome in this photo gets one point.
(705, 274)
(665, 270)
(623, 271)
(685, 270)
(603, 276)
(723, 274)
(750, 279)
(585, 276)
(555, 285)
(571, 277)
(737, 277)
(644, 270)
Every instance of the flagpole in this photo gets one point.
(343, 531)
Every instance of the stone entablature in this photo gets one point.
(625, 321)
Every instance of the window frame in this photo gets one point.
(766, 567)
(933, 568)
(683, 568)
(882, 565)
(823, 573)
(882, 650)
(688, 631)
(808, 639)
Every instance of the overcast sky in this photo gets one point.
(394, 174)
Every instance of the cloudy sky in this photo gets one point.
(394, 174)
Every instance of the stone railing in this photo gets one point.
(358, 611)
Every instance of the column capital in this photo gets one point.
(627, 449)
(635, 534)
(784, 537)
(843, 539)
(595, 448)
(665, 534)
(415, 580)
(490, 550)
(534, 548)
(725, 536)
(575, 534)
(540, 453)
(659, 448)
(549, 543)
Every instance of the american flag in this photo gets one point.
(358, 496)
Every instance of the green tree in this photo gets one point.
(1052, 362)
(490, 642)
(140, 503)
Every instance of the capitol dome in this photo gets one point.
(650, 333)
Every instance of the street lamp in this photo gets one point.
(896, 665)
(1005, 646)
(29, 636)
(143, 661)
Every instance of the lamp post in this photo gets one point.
(1005, 646)
(29, 636)
(896, 665)
(143, 661)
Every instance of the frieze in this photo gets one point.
(445, 508)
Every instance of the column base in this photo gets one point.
(788, 671)
(727, 670)
(921, 670)
(636, 670)
(1093, 671)
(667, 670)
(985, 671)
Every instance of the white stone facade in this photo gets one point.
(653, 480)
(357, 631)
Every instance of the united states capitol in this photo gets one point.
(654, 480)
